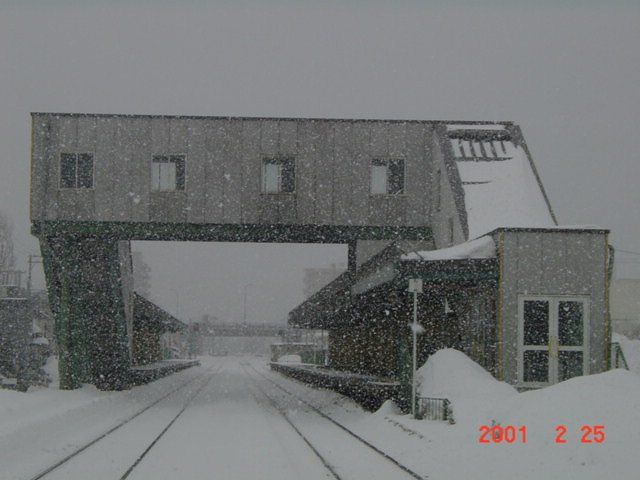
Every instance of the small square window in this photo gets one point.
(76, 170)
(387, 176)
(278, 175)
(168, 173)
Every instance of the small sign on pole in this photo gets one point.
(415, 285)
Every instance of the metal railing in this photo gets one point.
(430, 408)
(617, 357)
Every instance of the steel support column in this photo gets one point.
(84, 284)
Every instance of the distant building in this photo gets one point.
(625, 306)
(209, 337)
(27, 335)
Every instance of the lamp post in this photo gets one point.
(244, 302)
(415, 286)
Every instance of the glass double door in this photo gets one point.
(553, 339)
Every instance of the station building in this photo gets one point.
(502, 282)
(395, 192)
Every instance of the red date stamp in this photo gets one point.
(518, 434)
(499, 434)
(590, 434)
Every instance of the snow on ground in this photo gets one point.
(610, 399)
(631, 350)
(43, 424)
(444, 451)
(290, 359)
(230, 418)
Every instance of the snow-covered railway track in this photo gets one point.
(55, 467)
(283, 413)
(397, 468)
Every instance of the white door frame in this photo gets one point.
(553, 347)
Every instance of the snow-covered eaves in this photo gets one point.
(483, 247)
(475, 126)
(553, 228)
(500, 186)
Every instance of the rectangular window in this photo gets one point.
(570, 364)
(278, 175)
(570, 325)
(378, 179)
(536, 366)
(387, 176)
(168, 173)
(536, 322)
(76, 170)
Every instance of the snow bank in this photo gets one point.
(610, 399)
(631, 350)
(388, 408)
(482, 247)
(290, 359)
(51, 369)
(450, 373)
(471, 389)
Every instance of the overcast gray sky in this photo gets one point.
(567, 72)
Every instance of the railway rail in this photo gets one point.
(78, 451)
(387, 457)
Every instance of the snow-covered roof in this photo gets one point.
(500, 186)
(482, 247)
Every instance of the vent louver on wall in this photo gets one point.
(477, 149)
